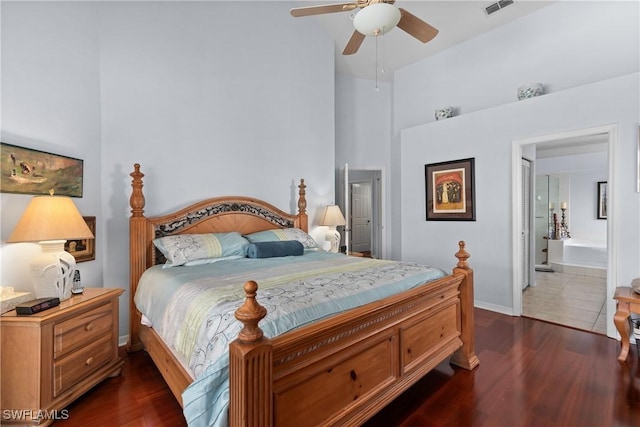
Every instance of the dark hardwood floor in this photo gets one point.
(531, 373)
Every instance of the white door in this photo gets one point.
(361, 217)
(524, 225)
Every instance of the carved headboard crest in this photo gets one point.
(174, 226)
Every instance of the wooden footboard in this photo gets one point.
(343, 370)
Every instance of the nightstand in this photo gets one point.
(51, 358)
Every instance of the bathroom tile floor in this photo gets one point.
(567, 299)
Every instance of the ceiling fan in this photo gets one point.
(376, 17)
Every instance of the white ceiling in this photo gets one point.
(576, 145)
(456, 21)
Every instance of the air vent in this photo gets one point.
(494, 7)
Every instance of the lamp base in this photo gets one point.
(52, 271)
(333, 236)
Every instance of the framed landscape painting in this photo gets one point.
(28, 171)
(450, 194)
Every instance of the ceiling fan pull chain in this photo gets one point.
(382, 64)
(377, 32)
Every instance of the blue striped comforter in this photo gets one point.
(192, 308)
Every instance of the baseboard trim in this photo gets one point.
(494, 307)
(123, 340)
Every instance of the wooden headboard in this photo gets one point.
(216, 215)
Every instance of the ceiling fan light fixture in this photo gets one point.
(376, 19)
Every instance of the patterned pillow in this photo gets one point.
(193, 249)
(283, 234)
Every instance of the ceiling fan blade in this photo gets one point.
(326, 8)
(354, 43)
(416, 27)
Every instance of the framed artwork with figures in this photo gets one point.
(450, 192)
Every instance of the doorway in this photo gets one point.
(565, 143)
(364, 213)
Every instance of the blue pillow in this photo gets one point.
(275, 249)
(282, 234)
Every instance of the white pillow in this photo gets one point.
(194, 248)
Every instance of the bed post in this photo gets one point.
(250, 364)
(465, 356)
(137, 254)
(302, 220)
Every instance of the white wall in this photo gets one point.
(489, 238)
(211, 98)
(50, 93)
(566, 45)
(363, 135)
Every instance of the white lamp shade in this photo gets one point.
(50, 218)
(332, 216)
(376, 19)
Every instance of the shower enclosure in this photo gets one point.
(547, 203)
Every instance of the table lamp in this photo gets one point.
(51, 221)
(332, 217)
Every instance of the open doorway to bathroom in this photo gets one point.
(569, 277)
(547, 196)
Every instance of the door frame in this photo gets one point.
(517, 149)
(529, 276)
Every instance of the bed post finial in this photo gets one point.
(250, 367)
(302, 221)
(250, 313)
(136, 201)
(302, 201)
(462, 256)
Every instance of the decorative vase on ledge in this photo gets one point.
(530, 90)
(444, 113)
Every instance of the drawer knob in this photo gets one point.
(88, 327)
(89, 361)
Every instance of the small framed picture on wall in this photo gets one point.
(602, 200)
(84, 249)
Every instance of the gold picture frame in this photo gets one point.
(83, 249)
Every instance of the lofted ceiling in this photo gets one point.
(456, 21)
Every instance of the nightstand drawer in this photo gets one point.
(81, 330)
(73, 368)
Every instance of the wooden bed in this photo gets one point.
(338, 371)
